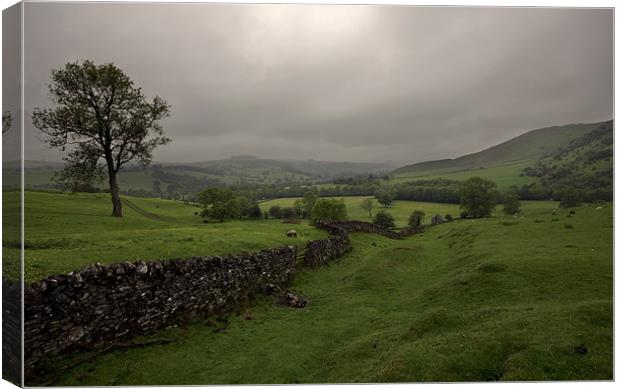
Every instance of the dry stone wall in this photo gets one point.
(101, 304)
(321, 252)
(11, 330)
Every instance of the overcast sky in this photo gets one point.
(354, 83)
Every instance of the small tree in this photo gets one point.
(254, 211)
(512, 205)
(478, 197)
(384, 219)
(100, 115)
(157, 187)
(275, 211)
(416, 218)
(367, 205)
(328, 210)
(569, 198)
(289, 213)
(220, 204)
(385, 196)
(307, 203)
(299, 208)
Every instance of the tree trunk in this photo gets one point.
(117, 207)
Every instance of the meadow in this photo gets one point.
(65, 232)
(401, 210)
(504, 298)
(504, 175)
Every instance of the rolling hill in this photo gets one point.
(585, 165)
(533, 145)
(187, 178)
(508, 163)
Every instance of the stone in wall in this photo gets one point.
(102, 304)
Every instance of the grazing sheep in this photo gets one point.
(291, 234)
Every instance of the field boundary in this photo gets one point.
(102, 305)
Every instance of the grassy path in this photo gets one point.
(140, 211)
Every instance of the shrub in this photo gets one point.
(275, 212)
(325, 209)
(385, 196)
(254, 211)
(384, 219)
(437, 219)
(512, 205)
(449, 217)
(289, 213)
(464, 215)
(367, 205)
(416, 218)
(569, 198)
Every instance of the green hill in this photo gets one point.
(533, 145)
(585, 165)
(189, 178)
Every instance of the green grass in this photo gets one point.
(65, 232)
(503, 175)
(474, 300)
(401, 210)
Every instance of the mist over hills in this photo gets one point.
(537, 157)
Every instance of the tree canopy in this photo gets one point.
(385, 196)
(100, 115)
(512, 205)
(384, 219)
(367, 205)
(478, 197)
(328, 210)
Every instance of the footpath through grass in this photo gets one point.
(504, 298)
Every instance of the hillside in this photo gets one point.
(585, 165)
(188, 178)
(533, 145)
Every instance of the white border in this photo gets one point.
(479, 3)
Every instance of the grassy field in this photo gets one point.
(65, 232)
(474, 300)
(503, 175)
(401, 210)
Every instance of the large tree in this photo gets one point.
(102, 120)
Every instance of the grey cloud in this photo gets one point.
(359, 83)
